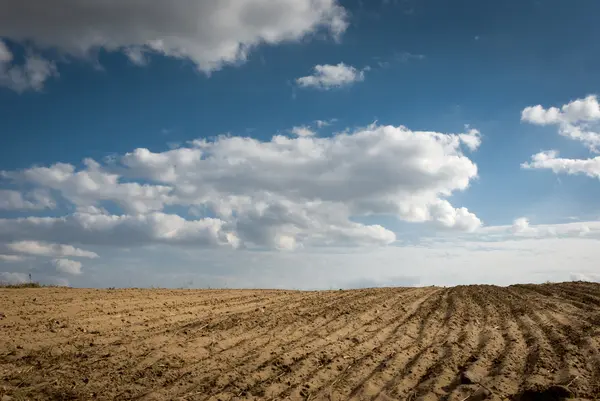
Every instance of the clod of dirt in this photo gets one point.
(2, 315)
(468, 377)
(552, 393)
(480, 395)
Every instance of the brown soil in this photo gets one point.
(524, 342)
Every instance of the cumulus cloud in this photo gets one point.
(67, 266)
(33, 200)
(550, 160)
(46, 249)
(521, 225)
(31, 75)
(123, 230)
(540, 116)
(13, 278)
(302, 131)
(285, 193)
(210, 33)
(578, 120)
(576, 111)
(376, 170)
(332, 76)
(93, 185)
(472, 139)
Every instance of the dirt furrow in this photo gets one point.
(400, 350)
(456, 346)
(370, 333)
(292, 362)
(280, 342)
(389, 343)
(502, 358)
(476, 364)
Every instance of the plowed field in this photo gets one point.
(524, 342)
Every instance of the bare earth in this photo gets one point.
(467, 342)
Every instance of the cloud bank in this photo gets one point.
(209, 33)
(240, 192)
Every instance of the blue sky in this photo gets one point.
(99, 87)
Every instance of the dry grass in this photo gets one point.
(21, 285)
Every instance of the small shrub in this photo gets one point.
(20, 285)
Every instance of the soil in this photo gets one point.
(523, 342)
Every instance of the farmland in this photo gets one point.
(523, 342)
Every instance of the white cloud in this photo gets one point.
(6, 55)
(522, 229)
(93, 185)
(13, 278)
(540, 116)
(30, 76)
(576, 120)
(210, 33)
(67, 266)
(33, 200)
(472, 139)
(576, 111)
(117, 230)
(376, 170)
(446, 215)
(12, 258)
(46, 249)
(332, 76)
(325, 123)
(302, 131)
(136, 56)
(550, 160)
(521, 225)
(283, 193)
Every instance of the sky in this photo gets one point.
(305, 144)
